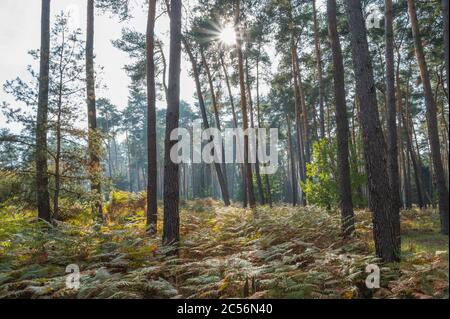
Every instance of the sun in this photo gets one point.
(228, 35)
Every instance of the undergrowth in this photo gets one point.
(226, 252)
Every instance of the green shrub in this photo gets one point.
(321, 187)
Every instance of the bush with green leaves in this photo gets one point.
(321, 186)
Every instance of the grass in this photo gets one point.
(225, 252)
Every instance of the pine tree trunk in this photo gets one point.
(319, 72)
(216, 114)
(252, 125)
(432, 121)
(417, 166)
(152, 197)
(248, 167)
(392, 149)
(381, 203)
(58, 135)
(235, 125)
(217, 166)
(258, 112)
(43, 197)
(292, 161)
(298, 117)
(400, 136)
(94, 143)
(171, 229)
(446, 31)
(342, 132)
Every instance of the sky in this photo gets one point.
(20, 32)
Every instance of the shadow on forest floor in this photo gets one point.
(225, 252)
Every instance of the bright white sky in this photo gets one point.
(20, 32)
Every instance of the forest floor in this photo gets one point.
(226, 252)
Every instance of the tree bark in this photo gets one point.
(43, 197)
(58, 132)
(415, 157)
(171, 230)
(319, 72)
(248, 166)
(292, 161)
(342, 132)
(252, 125)
(92, 112)
(392, 149)
(384, 211)
(216, 113)
(446, 31)
(298, 116)
(219, 172)
(432, 121)
(152, 197)
(235, 123)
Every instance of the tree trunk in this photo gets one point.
(432, 121)
(235, 124)
(319, 72)
(94, 143)
(252, 125)
(416, 162)
(43, 197)
(298, 116)
(446, 31)
(404, 199)
(384, 211)
(219, 172)
(171, 230)
(152, 197)
(248, 166)
(392, 150)
(58, 132)
(292, 160)
(342, 132)
(216, 113)
(258, 112)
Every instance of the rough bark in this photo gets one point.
(252, 125)
(298, 116)
(392, 149)
(219, 172)
(248, 167)
(433, 133)
(235, 124)
(216, 112)
(375, 152)
(152, 199)
(171, 229)
(446, 31)
(258, 114)
(58, 133)
(319, 72)
(342, 132)
(292, 161)
(43, 197)
(92, 112)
